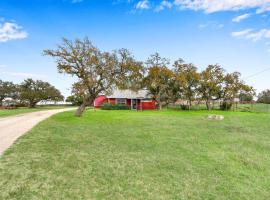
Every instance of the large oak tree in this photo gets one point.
(159, 79)
(98, 72)
(187, 79)
(34, 91)
(211, 80)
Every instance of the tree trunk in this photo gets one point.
(208, 104)
(189, 104)
(159, 105)
(80, 110)
(32, 104)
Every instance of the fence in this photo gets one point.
(239, 106)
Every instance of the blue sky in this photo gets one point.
(234, 34)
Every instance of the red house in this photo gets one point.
(135, 100)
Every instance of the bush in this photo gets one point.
(225, 105)
(245, 109)
(184, 107)
(108, 106)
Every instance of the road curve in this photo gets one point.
(11, 128)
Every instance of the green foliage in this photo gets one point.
(159, 79)
(97, 71)
(75, 100)
(187, 80)
(264, 97)
(108, 106)
(33, 91)
(226, 105)
(7, 89)
(245, 97)
(184, 107)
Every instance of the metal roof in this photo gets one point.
(129, 94)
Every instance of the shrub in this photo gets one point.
(245, 109)
(184, 107)
(108, 106)
(225, 105)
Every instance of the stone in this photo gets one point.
(215, 117)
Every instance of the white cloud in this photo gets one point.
(19, 74)
(241, 17)
(241, 33)
(143, 5)
(210, 6)
(164, 4)
(211, 24)
(22, 74)
(253, 35)
(11, 31)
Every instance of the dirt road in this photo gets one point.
(11, 128)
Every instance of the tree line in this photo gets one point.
(29, 92)
(99, 72)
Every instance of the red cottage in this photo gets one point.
(135, 100)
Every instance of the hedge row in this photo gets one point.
(108, 106)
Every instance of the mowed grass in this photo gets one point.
(141, 155)
(22, 110)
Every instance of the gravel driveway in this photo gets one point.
(13, 127)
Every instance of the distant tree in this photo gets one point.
(211, 80)
(246, 97)
(97, 72)
(233, 86)
(7, 89)
(188, 80)
(75, 100)
(33, 91)
(264, 97)
(159, 78)
(129, 72)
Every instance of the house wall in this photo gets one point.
(151, 105)
(99, 101)
(148, 105)
(129, 102)
(112, 100)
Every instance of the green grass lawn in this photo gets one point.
(18, 111)
(141, 155)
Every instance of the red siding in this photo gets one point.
(129, 102)
(112, 101)
(149, 105)
(99, 101)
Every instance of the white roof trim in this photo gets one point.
(129, 94)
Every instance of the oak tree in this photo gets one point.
(159, 78)
(7, 89)
(97, 72)
(211, 80)
(264, 97)
(34, 91)
(187, 78)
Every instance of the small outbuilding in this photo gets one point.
(139, 100)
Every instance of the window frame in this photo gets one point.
(123, 101)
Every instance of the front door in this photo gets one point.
(133, 104)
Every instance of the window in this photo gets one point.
(121, 101)
(147, 100)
